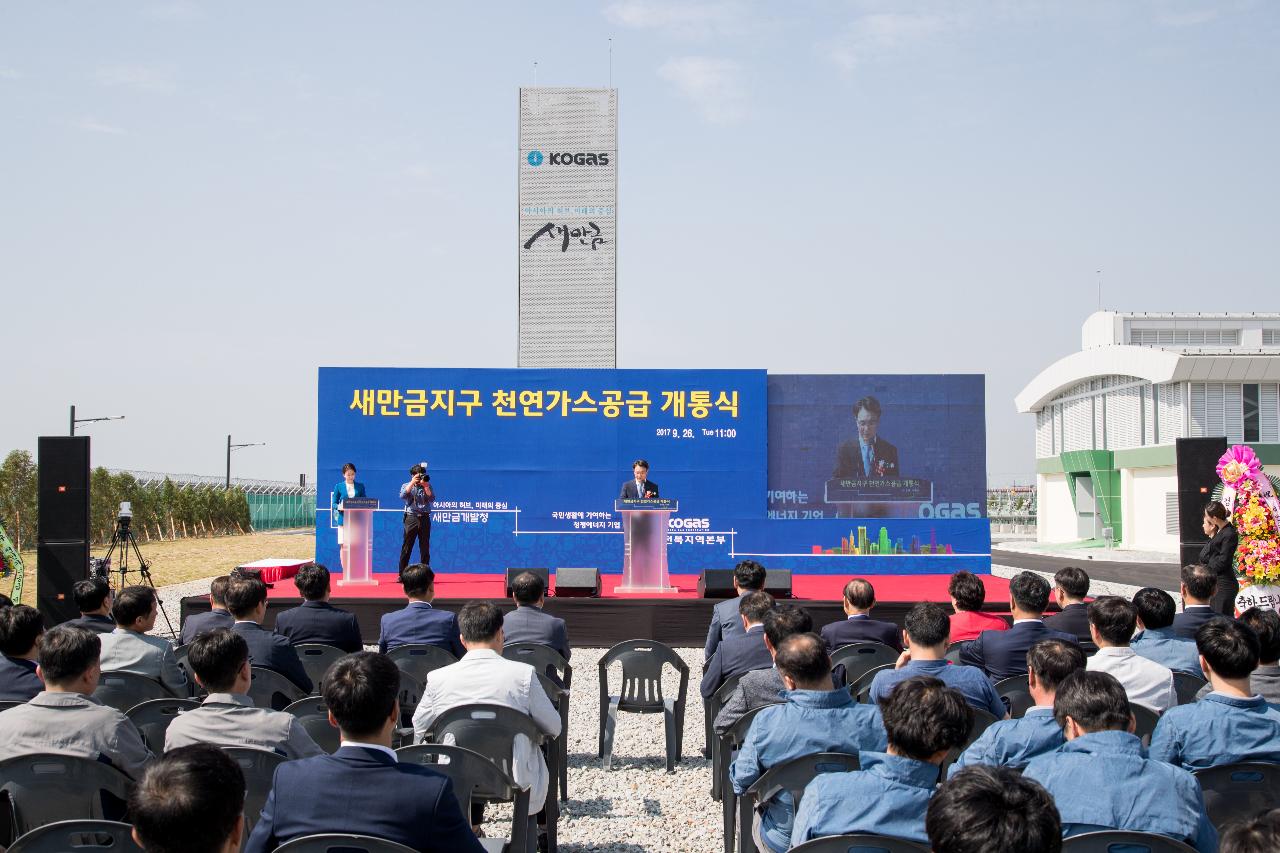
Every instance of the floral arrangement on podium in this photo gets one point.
(1250, 497)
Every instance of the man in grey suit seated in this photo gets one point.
(761, 687)
(748, 577)
(129, 648)
(65, 719)
(219, 660)
(528, 623)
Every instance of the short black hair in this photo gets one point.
(1156, 608)
(348, 466)
(927, 625)
(1095, 700)
(640, 463)
(312, 582)
(783, 621)
(5, 601)
(361, 690)
(188, 801)
(527, 588)
(218, 589)
(90, 593)
(968, 590)
(1199, 580)
(1266, 624)
(860, 593)
(67, 652)
(1029, 592)
(1114, 617)
(479, 621)
(417, 579)
(1258, 835)
(922, 716)
(754, 605)
(20, 628)
(749, 574)
(1073, 580)
(132, 603)
(216, 658)
(1229, 647)
(804, 658)
(244, 595)
(871, 404)
(982, 809)
(1053, 660)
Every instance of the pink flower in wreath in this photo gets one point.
(1239, 463)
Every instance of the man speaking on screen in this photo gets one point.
(869, 455)
(640, 487)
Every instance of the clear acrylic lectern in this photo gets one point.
(644, 549)
(357, 542)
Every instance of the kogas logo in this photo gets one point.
(535, 158)
(950, 510)
(689, 524)
(567, 158)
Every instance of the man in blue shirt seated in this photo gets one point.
(926, 634)
(1157, 640)
(814, 718)
(924, 720)
(1230, 724)
(1101, 779)
(1260, 835)
(419, 622)
(992, 810)
(1012, 743)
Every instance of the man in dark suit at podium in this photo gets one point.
(641, 487)
(868, 455)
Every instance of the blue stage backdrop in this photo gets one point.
(526, 465)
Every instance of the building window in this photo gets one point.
(1252, 430)
(1190, 337)
(1171, 513)
(1271, 337)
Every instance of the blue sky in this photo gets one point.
(202, 202)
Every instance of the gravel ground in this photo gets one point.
(1096, 587)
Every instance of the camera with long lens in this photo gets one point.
(420, 468)
(125, 517)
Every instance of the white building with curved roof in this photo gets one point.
(1108, 415)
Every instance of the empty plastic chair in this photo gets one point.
(1016, 693)
(259, 768)
(45, 789)
(316, 659)
(641, 693)
(123, 690)
(78, 835)
(1239, 791)
(1187, 686)
(1119, 841)
(792, 776)
(475, 777)
(543, 658)
(419, 659)
(860, 844)
(152, 719)
(313, 714)
(270, 689)
(859, 658)
(338, 843)
(860, 689)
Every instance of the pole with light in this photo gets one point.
(231, 447)
(75, 420)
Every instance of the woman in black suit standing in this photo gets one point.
(1219, 554)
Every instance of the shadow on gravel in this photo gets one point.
(601, 848)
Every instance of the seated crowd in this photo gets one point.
(942, 759)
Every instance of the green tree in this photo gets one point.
(18, 497)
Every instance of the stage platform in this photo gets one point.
(679, 619)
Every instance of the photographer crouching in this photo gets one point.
(418, 497)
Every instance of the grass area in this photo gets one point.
(193, 559)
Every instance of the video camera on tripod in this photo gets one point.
(126, 543)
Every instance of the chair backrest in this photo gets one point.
(953, 651)
(794, 775)
(316, 659)
(475, 778)
(723, 692)
(411, 690)
(860, 844)
(981, 721)
(540, 657)
(152, 719)
(259, 768)
(487, 729)
(123, 690)
(642, 662)
(1235, 791)
(1016, 692)
(78, 835)
(313, 715)
(336, 843)
(860, 687)
(7, 704)
(736, 735)
(269, 689)
(1119, 841)
(1187, 686)
(858, 658)
(554, 691)
(44, 789)
(419, 659)
(1146, 720)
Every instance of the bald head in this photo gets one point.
(802, 660)
(859, 595)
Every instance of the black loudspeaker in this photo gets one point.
(778, 583)
(62, 524)
(577, 583)
(716, 583)
(512, 574)
(1197, 460)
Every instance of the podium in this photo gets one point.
(357, 542)
(644, 549)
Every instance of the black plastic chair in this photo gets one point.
(411, 690)
(860, 658)
(6, 705)
(337, 843)
(269, 689)
(710, 709)
(1239, 791)
(860, 844)
(1119, 841)
(1187, 686)
(1145, 720)
(194, 690)
(543, 658)
(641, 693)
(313, 714)
(152, 719)
(731, 740)
(316, 659)
(259, 768)
(860, 690)
(45, 789)
(953, 651)
(419, 659)
(78, 835)
(123, 690)
(791, 776)
(474, 778)
(1016, 693)
(981, 721)
(491, 731)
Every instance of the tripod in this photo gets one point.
(124, 541)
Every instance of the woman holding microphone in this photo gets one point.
(348, 488)
(1219, 554)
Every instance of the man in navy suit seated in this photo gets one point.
(1002, 654)
(859, 627)
(419, 622)
(20, 630)
(247, 603)
(528, 623)
(1198, 584)
(362, 788)
(191, 800)
(217, 617)
(737, 655)
(94, 601)
(316, 620)
(1070, 586)
(748, 576)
